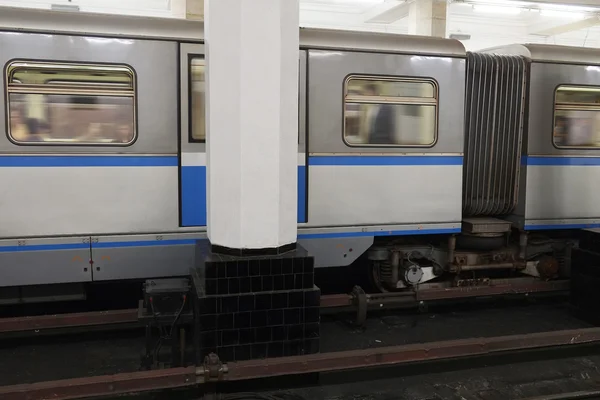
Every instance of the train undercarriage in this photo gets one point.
(487, 248)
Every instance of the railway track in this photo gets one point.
(358, 302)
(214, 371)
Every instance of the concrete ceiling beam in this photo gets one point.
(568, 27)
(387, 12)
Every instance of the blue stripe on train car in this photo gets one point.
(560, 161)
(335, 235)
(144, 243)
(44, 247)
(88, 161)
(384, 160)
(184, 242)
(101, 245)
(193, 195)
(559, 226)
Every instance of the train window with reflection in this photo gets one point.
(79, 104)
(577, 117)
(387, 111)
(197, 97)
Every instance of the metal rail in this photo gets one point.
(586, 394)
(105, 385)
(129, 318)
(68, 320)
(110, 385)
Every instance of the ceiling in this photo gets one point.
(488, 22)
(482, 23)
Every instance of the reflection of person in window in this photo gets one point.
(559, 131)
(18, 127)
(379, 119)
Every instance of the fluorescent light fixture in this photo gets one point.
(489, 9)
(64, 7)
(561, 14)
(567, 8)
(460, 36)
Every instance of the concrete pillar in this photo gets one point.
(188, 9)
(252, 122)
(427, 18)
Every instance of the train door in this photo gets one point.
(192, 160)
(192, 146)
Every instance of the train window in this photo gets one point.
(197, 97)
(59, 103)
(577, 117)
(387, 111)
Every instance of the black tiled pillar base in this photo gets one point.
(250, 307)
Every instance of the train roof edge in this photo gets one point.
(550, 53)
(33, 20)
(384, 42)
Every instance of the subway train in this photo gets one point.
(419, 161)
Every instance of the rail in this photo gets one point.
(120, 319)
(214, 370)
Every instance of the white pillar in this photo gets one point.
(252, 49)
(188, 9)
(427, 18)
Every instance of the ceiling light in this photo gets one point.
(567, 8)
(561, 14)
(496, 9)
(460, 36)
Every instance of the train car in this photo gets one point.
(409, 155)
(104, 150)
(560, 161)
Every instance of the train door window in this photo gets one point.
(70, 104)
(197, 95)
(576, 117)
(389, 111)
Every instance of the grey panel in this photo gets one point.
(88, 200)
(367, 195)
(562, 192)
(327, 71)
(338, 252)
(154, 63)
(142, 256)
(44, 261)
(551, 53)
(372, 230)
(185, 50)
(495, 109)
(582, 222)
(382, 42)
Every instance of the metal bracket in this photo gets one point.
(359, 298)
(214, 369)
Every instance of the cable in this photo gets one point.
(170, 335)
